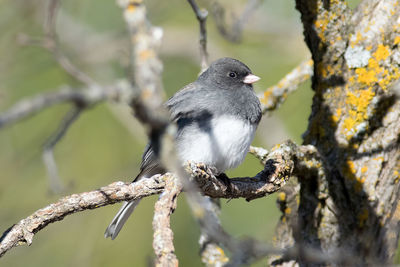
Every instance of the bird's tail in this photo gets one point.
(120, 219)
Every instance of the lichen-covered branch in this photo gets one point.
(146, 67)
(275, 95)
(163, 235)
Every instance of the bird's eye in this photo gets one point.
(232, 74)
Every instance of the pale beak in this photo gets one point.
(251, 78)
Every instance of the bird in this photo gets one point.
(217, 116)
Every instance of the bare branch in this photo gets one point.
(233, 32)
(84, 98)
(23, 231)
(237, 27)
(201, 15)
(275, 95)
(50, 24)
(163, 235)
(50, 44)
(55, 183)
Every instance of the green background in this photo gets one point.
(101, 147)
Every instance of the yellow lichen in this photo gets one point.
(266, 97)
(348, 124)
(133, 4)
(146, 54)
(321, 26)
(382, 52)
(147, 93)
(397, 40)
(277, 146)
(366, 76)
(336, 117)
(379, 159)
(358, 109)
(288, 210)
(351, 166)
(374, 73)
(131, 8)
(396, 173)
(282, 196)
(364, 169)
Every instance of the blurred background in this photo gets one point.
(105, 144)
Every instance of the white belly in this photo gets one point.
(224, 146)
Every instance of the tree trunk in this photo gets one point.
(350, 203)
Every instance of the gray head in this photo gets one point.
(228, 73)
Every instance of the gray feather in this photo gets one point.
(120, 219)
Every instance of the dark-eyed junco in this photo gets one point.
(217, 116)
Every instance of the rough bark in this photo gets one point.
(351, 203)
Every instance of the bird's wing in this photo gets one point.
(186, 103)
(151, 164)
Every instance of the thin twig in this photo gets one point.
(50, 23)
(233, 32)
(50, 44)
(56, 186)
(237, 26)
(275, 95)
(83, 98)
(51, 38)
(201, 15)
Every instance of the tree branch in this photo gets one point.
(24, 230)
(201, 16)
(50, 44)
(274, 96)
(83, 99)
(232, 32)
(146, 67)
(163, 235)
